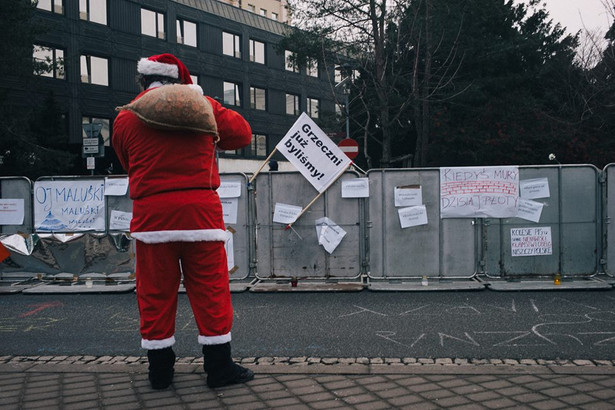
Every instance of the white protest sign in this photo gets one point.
(120, 221)
(229, 189)
(286, 214)
(410, 195)
(479, 192)
(355, 188)
(412, 216)
(69, 205)
(529, 210)
(11, 211)
(531, 241)
(229, 210)
(116, 186)
(313, 153)
(534, 188)
(329, 233)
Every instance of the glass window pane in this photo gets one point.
(227, 44)
(98, 11)
(84, 70)
(148, 22)
(44, 5)
(100, 71)
(160, 26)
(189, 33)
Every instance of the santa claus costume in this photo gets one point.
(178, 226)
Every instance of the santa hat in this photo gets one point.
(166, 65)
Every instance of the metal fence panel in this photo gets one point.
(240, 227)
(571, 212)
(295, 252)
(18, 188)
(443, 248)
(609, 212)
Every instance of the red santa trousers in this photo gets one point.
(158, 274)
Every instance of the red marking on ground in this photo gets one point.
(40, 307)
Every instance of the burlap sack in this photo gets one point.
(175, 107)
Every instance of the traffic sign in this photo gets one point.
(350, 147)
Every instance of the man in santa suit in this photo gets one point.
(178, 226)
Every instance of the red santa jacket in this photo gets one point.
(173, 176)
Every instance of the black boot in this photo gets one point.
(220, 368)
(161, 362)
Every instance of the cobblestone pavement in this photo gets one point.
(120, 382)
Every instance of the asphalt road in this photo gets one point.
(472, 324)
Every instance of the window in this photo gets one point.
(263, 12)
(186, 33)
(274, 16)
(232, 94)
(152, 24)
(94, 70)
(93, 10)
(231, 44)
(251, 8)
(54, 6)
(104, 132)
(312, 107)
(258, 99)
(258, 145)
(257, 51)
(312, 68)
(292, 104)
(48, 62)
(194, 78)
(290, 61)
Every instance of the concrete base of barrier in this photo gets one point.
(546, 284)
(306, 286)
(418, 286)
(10, 286)
(236, 287)
(80, 288)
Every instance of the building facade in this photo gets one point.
(230, 52)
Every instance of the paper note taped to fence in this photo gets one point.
(479, 192)
(286, 214)
(309, 149)
(11, 211)
(69, 205)
(531, 241)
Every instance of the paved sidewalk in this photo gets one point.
(82, 382)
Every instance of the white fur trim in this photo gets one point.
(196, 87)
(198, 235)
(149, 67)
(157, 344)
(214, 340)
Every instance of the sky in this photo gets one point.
(580, 14)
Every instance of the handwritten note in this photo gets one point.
(529, 210)
(229, 189)
(409, 195)
(11, 211)
(355, 188)
(229, 210)
(329, 234)
(116, 186)
(286, 214)
(531, 241)
(120, 221)
(479, 192)
(534, 188)
(69, 205)
(412, 216)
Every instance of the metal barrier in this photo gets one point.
(236, 205)
(435, 255)
(608, 178)
(74, 234)
(570, 222)
(292, 257)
